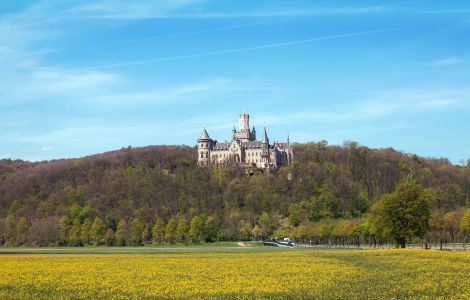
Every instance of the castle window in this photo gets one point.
(202, 154)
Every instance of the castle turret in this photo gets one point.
(265, 137)
(204, 147)
(265, 146)
(253, 134)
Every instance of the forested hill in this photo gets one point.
(163, 182)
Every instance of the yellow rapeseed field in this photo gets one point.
(390, 274)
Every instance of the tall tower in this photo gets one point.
(204, 146)
(244, 123)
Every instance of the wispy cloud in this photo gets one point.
(462, 10)
(47, 83)
(189, 92)
(245, 49)
(380, 104)
(301, 12)
(447, 61)
(127, 9)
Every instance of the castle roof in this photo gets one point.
(252, 145)
(221, 146)
(204, 135)
(265, 137)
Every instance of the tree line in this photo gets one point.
(339, 195)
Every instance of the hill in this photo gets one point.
(41, 202)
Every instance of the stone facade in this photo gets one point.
(244, 149)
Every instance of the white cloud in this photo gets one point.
(47, 148)
(126, 9)
(380, 104)
(43, 84)
(239, 50)
(304, 11)
(447, 61)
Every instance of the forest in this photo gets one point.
(332, 195)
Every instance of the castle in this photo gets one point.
(244, 150)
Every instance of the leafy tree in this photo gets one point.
(257, 232)
(65, 226)
(21, 230)
(294, 214)
(266, 225)
(146, 235)
(402, 214)
(437, 225)
(196, 230)
(98, 230)
(451, 224)
(245, 230)
(465, 225)
(75, 233)
(170, 231)
(181, 230)
(137, 230)
(122, 233)
(10, 229)
(158, 231)
(85, 231)
(210, 229)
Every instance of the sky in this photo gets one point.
(84, 77)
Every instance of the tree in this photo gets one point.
(245, 230)
(196, 229)
(122, 233)
(257, 232)
(10, 229)
(266, 225)
(65, 226)
(402, 214)
(181, 230)
(451, 224)
(210, 229)
(109, 237)
(137, 230)
(436, 224)
(44, 232)
(465, 225)
(146, 235)
(98, 230)
(21, 230)
(75, 233)
(170, 231)
(294, 214)
(85, 231)
(158, 231)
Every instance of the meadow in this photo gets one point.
(228, 273)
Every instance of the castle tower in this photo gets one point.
(244, 123)
(204, 146)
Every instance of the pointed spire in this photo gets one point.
(254, 128)
(204, 135)
(288, 138)
(234, 130)
(265, 137)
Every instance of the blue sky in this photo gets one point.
(83, 77)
